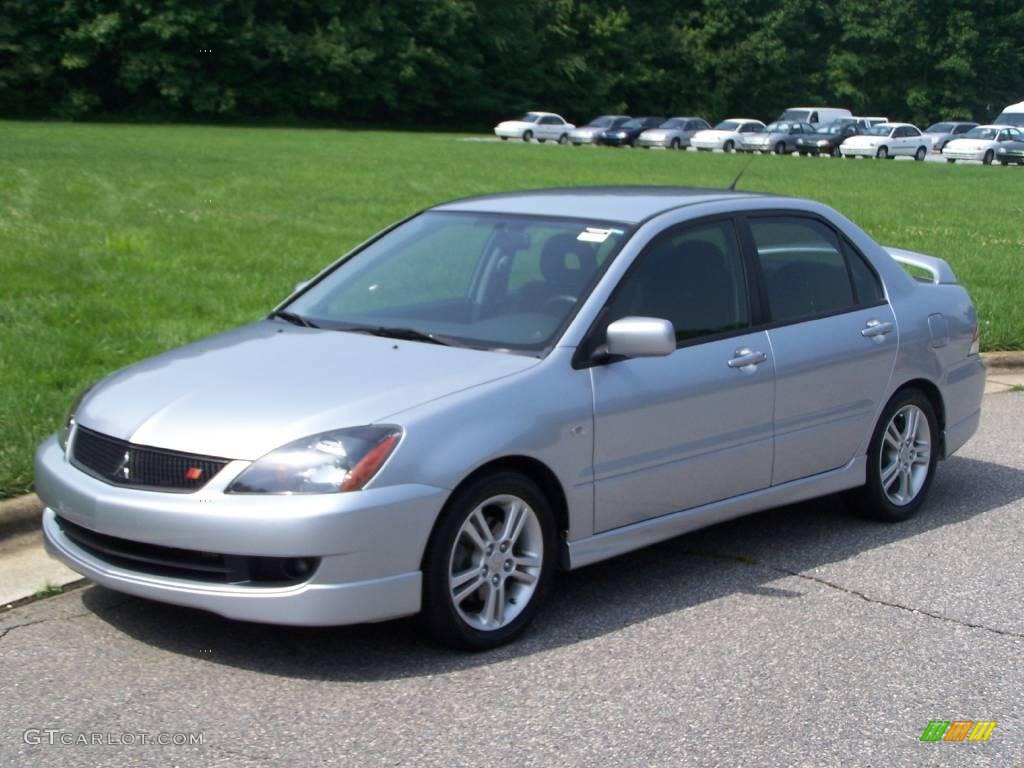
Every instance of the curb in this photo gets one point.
(997, 360)
(20, 514)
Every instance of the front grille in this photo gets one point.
(190, 564)
(121, 463)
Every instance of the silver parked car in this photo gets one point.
(586, 134)
(779, 137)
(943, 133)
(674, 133)
(504, 386)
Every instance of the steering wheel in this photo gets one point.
(551, 304)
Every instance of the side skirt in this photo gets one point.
(602, 546)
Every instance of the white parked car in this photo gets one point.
(887, 141)
(727, 135)
(535, 125)
(981, 143)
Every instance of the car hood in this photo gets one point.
(814, 137)
(969, 145)
(762, 136)
(246, 392)
(864, 140)
(588, 130)
(515, 124)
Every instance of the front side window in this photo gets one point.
(492, 281)
(692, 277)
(804, 268)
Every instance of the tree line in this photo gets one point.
(468, 63)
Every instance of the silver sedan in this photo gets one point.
(501, 387)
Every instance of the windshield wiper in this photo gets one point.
(293, 318)
(407, 334)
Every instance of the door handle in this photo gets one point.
(746, 357)
(873, 328)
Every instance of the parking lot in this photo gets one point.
(802, 636)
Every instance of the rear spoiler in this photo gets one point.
(941, 272)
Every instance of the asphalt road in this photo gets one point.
(799, 637)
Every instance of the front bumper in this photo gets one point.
(509, 133)
(370, 543)
(953, 154)
(614, 141)
(662, 142)
(859, 151)
(814, 149)
(582, 137)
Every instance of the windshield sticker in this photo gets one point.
(595, 235)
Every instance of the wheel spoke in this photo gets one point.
(515, 512)
(458, 579)
(489, 604)
(905, 484)
(478, 523)
(524, 576)
(889, 474)
(892, 437)
(499, 604)
(469, 589)
(912, 424)
(528, 560)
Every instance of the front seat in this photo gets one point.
(566, 264)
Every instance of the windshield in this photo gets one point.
(727, 125)
(605, 121)
(940, 128)
(836, 126)
(981, 133)
(674, 122)
(636, 122)
(795, 115)
(778, 127)
(529, 117)
(490, 281)
(1011, 118)
(879, 130)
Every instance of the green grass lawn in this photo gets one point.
(118, 242)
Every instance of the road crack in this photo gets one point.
(849, 591)
(4, 631)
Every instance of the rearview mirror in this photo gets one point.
(641, 337)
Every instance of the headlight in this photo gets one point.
(330, 462)
(64, 433)
(1002, 150)
(823, 143)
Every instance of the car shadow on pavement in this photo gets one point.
(740, 556)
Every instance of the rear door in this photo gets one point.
(833, 337)
(676, 432)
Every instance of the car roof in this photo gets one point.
(998, 126)
(896, 125)
(623, 204)
(740, 120)
(543, 114)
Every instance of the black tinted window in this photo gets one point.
(692, 277)
(865, 282)
(803, 266)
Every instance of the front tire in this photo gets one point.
(489, 562)
(987, 159)
(882, 153)
(950, 160)
(676, 144)
(729, 146)
(836, 152)
(901, 458)
(780, 148)
(527, 135)
(920, 154)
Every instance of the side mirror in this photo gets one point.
(641, 337)
(300, 285)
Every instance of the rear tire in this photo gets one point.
(901, 459)
(950, 160)
(920, 155)
(563, 139)
(511, 579)
(504, 138)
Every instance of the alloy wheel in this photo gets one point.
(905, 458)
(495, 563)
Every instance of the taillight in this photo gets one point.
(975, 342)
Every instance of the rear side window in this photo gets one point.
(691, 276)
(866, 285)
(804, 268)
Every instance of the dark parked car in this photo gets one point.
(943, 133)
(627, 133)
(1010, 152)
(828, 137)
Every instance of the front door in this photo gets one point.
(694, 427)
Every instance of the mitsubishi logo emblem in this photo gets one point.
(122, 470)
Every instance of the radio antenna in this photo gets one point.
(732, 187)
